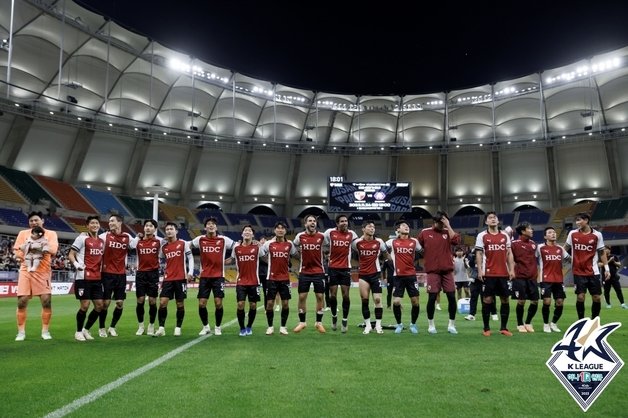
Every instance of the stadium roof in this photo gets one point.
(113, 75)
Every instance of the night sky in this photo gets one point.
(349, 47)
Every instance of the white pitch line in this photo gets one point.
(103, 390)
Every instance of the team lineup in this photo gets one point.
(498, 267)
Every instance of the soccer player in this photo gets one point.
(493, 258)
(476, 290)
(368, 249)
(524, 284)
(551, 257)
(614, 265)
(340, 239)
(114, 273)
(34, 283)
(147, 274)
(586, 245)
(278, 252)
(213, 248)
(437, 242)
(246, 256)
(402, 250)
(86, 256)
(310, 243)
(176, 252)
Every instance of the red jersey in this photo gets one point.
(176, 253)
(524, 255)
(247, 262)
(340, 248)
(494, 249)
(437, 250)
(368, 255)
(402, 252)
(584, 249)
(89, 252)
(116, 248)
(551, 259)
(279, 254)
(147, 252)
(311, 252)
(213, 251)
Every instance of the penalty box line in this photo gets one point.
(103, 390)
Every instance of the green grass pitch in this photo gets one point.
(305, 375)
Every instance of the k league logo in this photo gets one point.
(584, 362)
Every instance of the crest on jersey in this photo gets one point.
(584, 362)
(445, 236)
(359, 195)
(80, 292)
(375, 246)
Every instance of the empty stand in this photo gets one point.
(104, 202)
(534, 217)
(176, 213)
(67, 195)
(236, 219)
(9, 194)
(57, 224)
(26, 185)
(208, 213)
(142, 209)
(607, 210)
(14, 217)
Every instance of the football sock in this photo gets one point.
(139, 312)
(558, 311)
(531, 312)
(545, 311)
(366, 312)
(117, 313)
(162, 314)
(80, 320)
(519, 311)
(240, 315)
(397, 313)
(284, 316)
(504, 312)
(219, 313)
(91, 318)
(152, 313)
(180, 315)
(414, 313)
(580, 309)
(252, 315)
(202, 313)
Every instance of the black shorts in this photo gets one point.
(114, 285)
(206, 286)
(460, 285)
(339, 277)
(555, 290)
(591, 283)
(305, 280)
(147, 283)
(403, 283)
(525, 289)
(88, 289)
(250, 291)
(374, 280)
(496, 286)
(175, 289)
(278, 286)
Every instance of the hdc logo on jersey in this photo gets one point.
(584, 362)
(583, 247)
